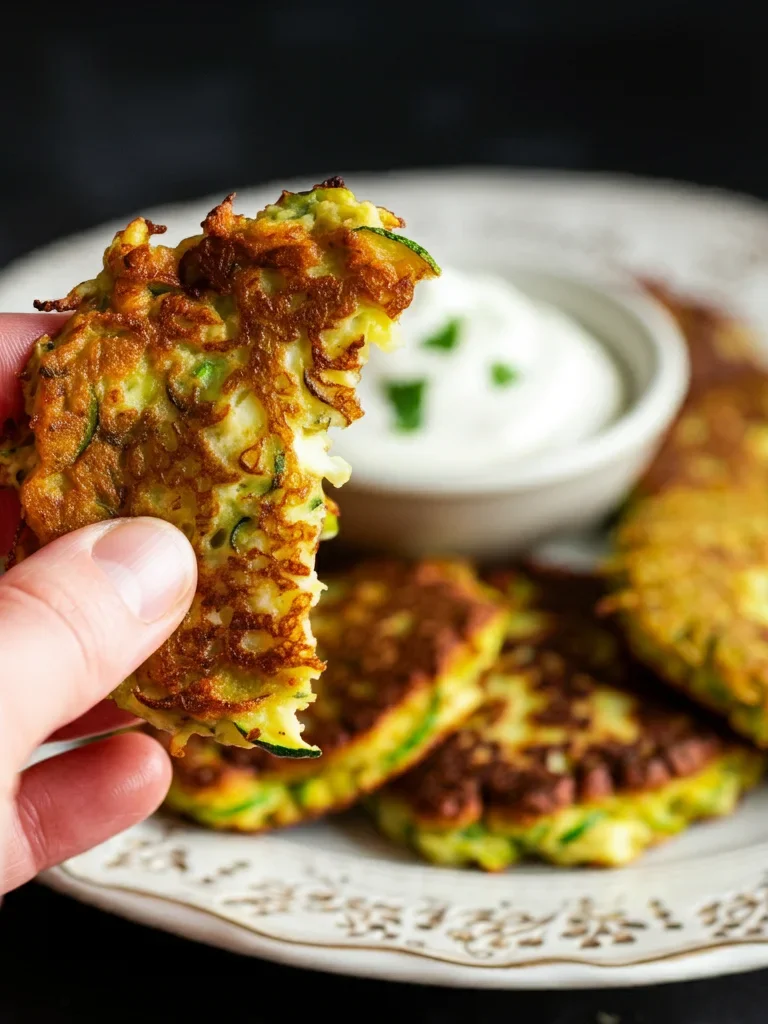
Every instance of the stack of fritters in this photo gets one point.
(575, 755)
(405, 645)
(691, 566)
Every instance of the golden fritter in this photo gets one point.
(575, 755)
(197, 384)
(405, 645)
(690, 568)
(691, 578)
(720, 439)
(720, 345)
(720, 427)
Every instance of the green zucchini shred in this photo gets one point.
(419, 734)
(578, 830)
(407, 242)
(91, 425)
(233, 535)
(278, 751)
(205, 372)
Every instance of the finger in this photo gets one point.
(105, 717)
(77, 617)
(75, 801)
(18, 331)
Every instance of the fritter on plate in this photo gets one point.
(197, 384)
(690, 567)
(720, 345)
(691, 578)
(574, 755)
(720, 439)
(405, 645)
(719, 434)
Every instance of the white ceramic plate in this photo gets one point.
(334, 896)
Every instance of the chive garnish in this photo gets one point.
(407, 400)
(502, 374)
(446, 339)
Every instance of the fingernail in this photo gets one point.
(149, 563)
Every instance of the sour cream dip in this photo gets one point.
(485, 376)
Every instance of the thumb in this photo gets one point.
(78, 617)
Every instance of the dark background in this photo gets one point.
(110, 109)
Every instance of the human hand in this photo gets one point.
(76, 618)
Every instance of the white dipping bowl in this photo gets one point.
(506, 509)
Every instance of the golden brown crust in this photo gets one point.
(727, 395)
(720, 346)
(720, 439)
(386, 629)
(124, 426)
(566, 655)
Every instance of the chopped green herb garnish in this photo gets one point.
(502, 374)
(447, 338)
(407, 400)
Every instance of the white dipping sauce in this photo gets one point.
(503, 379)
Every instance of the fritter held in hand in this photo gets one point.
(573, 757)
(405, 646)
(198, 384)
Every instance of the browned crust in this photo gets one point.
(709, 445)
(720, 346)
(371, 667)
(120, 323)
(728, 391)
(565, 660)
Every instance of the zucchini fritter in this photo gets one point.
(690, 569)
(197, 384)
(720, 345)
(691, 577)
(405, 646)
(727, 397)
(574, 755)
(720, 439)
